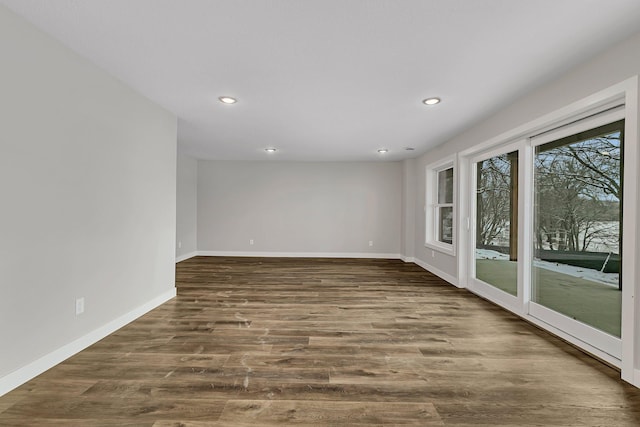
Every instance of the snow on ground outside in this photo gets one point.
(610, 279)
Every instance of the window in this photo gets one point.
(444, 206)
(440, 206)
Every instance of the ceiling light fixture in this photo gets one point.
(431, 101)
(227, 100)
(383, 150)
(270, 150)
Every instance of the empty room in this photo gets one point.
(319, 213)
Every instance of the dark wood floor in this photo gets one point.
(271, 342)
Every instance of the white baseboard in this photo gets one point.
(302, 254)
(407, 258)
(186, 256)
(636, 378)
(445, 276)
(30, 371)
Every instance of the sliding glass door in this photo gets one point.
(545, 229)
(577, 233)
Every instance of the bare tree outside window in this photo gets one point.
(497, 221)
(493, 201)
(578, 195)
(444, 206)
(578, 206)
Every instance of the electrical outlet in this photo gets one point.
(433, 254)
(370, 242)
(79, 306)
(179, 245)
(251, 241)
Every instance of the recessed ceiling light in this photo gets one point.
(270, 150)
(227, 100)
(431, 101)
(383, 150)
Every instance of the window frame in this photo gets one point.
(433, 206)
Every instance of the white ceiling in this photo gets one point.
(331, 79)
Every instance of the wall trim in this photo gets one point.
(441, 274)
(33, 369)
(407, 258)
(302, 254)
(186, 256)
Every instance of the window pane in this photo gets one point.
(577, 233)
(496, 222)
(445, 186)
(445, 224)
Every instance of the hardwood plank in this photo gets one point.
(497, 414)
(11, 399)
(127, 408)
(269, 413)
(264, 389)
(66, 422)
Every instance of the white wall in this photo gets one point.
(87, 185)
(605, 70)
(409, 184)
(186, 210)
(301, 208)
